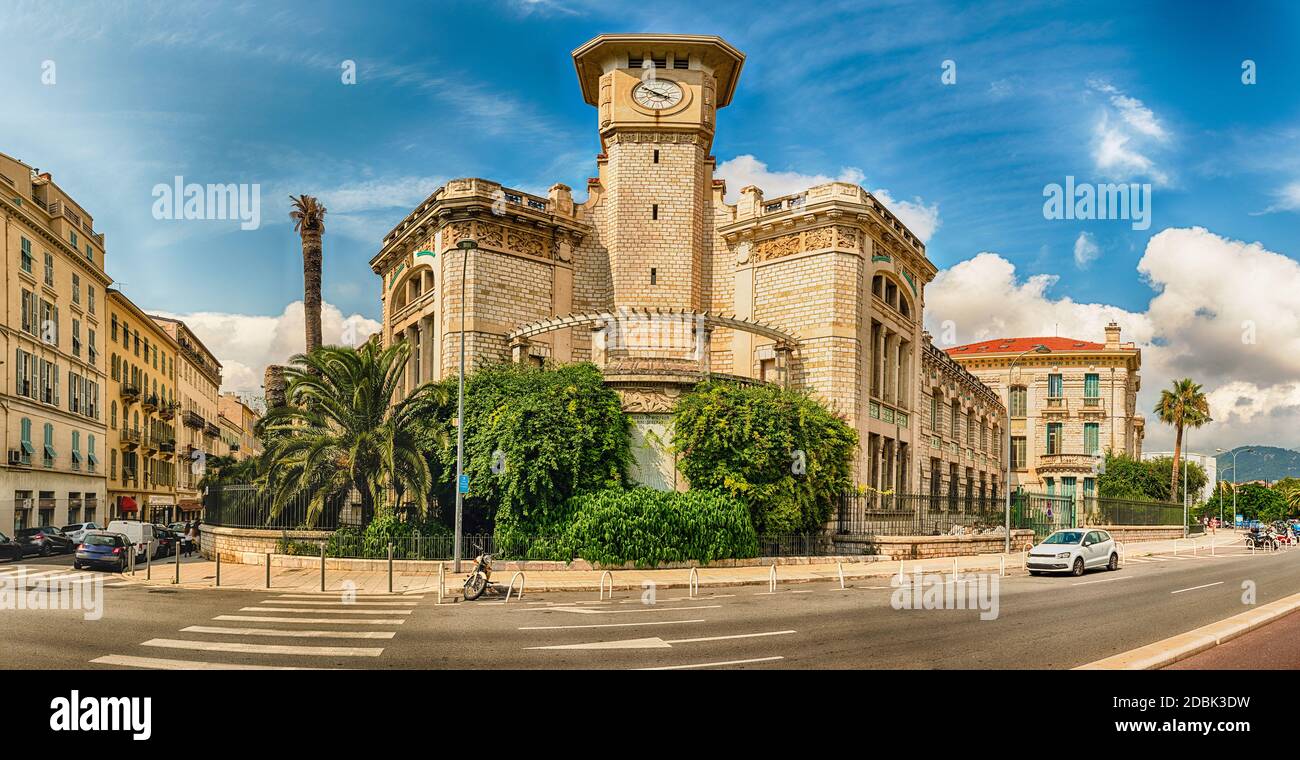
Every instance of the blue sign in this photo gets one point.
(464, 484)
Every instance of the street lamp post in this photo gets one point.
(1234, 486)
(1006, 484)
(466, 245)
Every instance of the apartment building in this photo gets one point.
(142, 411)
(51, 415)
(232, 408)
(198, 380)
(1068, 404)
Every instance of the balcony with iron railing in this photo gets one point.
(130, 392)
(130, 438)
(167, 409)
(193, 419)
(211, 430)
(149, 403)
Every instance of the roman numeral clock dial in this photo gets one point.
(657, 94)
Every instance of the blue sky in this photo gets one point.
(250, 92)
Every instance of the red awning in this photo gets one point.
(128, 504)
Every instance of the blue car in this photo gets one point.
(101, 549)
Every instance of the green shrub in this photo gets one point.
(744, 440)
(647, 527)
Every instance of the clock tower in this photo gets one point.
(657, 96)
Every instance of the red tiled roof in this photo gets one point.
(1018, 345)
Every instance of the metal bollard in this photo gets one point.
(148, 564)
(442, 581)
(218, 578)
(839, 566)
(177, 578)
(390, 568)
(322, 567)
(268, 569)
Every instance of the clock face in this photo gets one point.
(657, 94)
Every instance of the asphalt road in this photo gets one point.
(1042, 622)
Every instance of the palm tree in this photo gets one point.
(340, 430)
(1183, 406)
(308, 217)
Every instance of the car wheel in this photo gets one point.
(1034, 572)
(1078, 567)
(76, 565)
(45, 550)
(1114, 562)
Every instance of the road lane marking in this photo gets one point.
(1104, 580)
(242, 648)
(315, 611)
(606, 625)
(1193, 588)
(654, 642)
(322, 603)
(158, 663)
(338, 621)
(587, 611)
(340, 594)
(291, 634)
(714, 664)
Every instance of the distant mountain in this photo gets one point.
(1260, 463)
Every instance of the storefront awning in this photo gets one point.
(127, 504)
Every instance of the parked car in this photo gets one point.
(140, 534)
(103, 549)
(10, 548)
(1073, 551)
(78, 531)
(44, 541)
(167, 542)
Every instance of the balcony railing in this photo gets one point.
(211, 430)
(193, 419)
(150, 403)
(168, 410)
(130, 438)
(1066, 462)
(1092, 400)
(130, 391)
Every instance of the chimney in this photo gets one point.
(751, 202)
(1112, 337)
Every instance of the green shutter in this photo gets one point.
(1090, 436)
(1091, 385)
(28, 449)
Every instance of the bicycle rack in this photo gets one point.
(603, 576)
(1193, 543)
(693, 584)
(511, 587)
(771, 579)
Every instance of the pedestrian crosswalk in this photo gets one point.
(272, 635)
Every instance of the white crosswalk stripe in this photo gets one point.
(314, 621)
(343, 603)
(158, 663)
(240, 647)
(289, 634)
(316, 611)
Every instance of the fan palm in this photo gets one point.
(308, 217)
(340, 429)
(1183, 406)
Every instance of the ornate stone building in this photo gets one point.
(1068, 407)
(660, 281)
(962, 424)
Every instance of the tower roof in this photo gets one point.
(716, 54)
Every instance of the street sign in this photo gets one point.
(464, 484)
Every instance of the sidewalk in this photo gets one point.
(200, 573)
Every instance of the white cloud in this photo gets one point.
(246, 343)
(1223, 314)
(1287, 199)
(1085, 250)
(1125, 133)
(745, 170)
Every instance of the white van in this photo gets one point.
(140, 533)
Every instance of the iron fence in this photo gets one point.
(1107, 511)
(241, 506)
(945, 514)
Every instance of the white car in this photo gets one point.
(1073, 551)
(77, 531)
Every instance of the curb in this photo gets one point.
(1184, 645)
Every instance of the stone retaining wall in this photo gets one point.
(234, 543)
(1135, 533)
(925, 547)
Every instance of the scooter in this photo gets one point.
(480, 578)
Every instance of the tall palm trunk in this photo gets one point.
(311, 281)
(1178, 452)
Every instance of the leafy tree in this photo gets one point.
(779, 451)
(534, 437)
(223, 470)
(341, 430)
(1259, 502)
(1144, 480)
(1196, 477)
(1183, 405)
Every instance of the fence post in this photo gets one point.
(322, 567)
(390, 567)
(268, 569)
